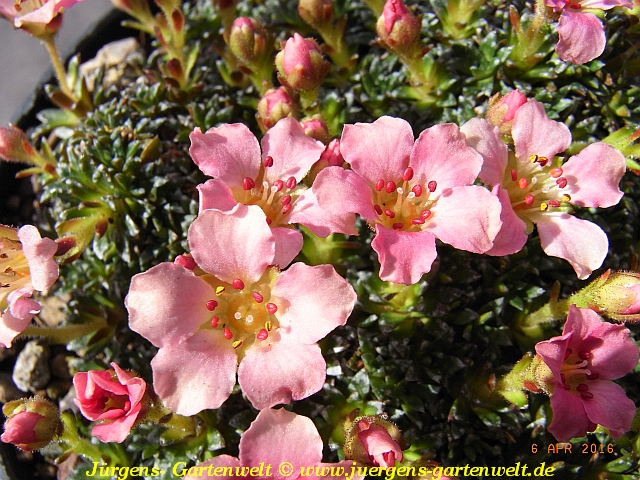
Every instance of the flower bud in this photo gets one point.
(502, 109)
(398, 29)
(31, 423)
(301, 64)
(614, 294)
(275, 105)
(249, 41)
(316, 128)
(316, 13)
(374, 440)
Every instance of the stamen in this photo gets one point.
(544, 207)
(586, 395)
(533, 158)
(211, 305)
(227, 334)
(562, 182)
(593, 375)
(389, 213)
(582, 387)
(523, 183)
(268, 325)
(567, 353)
(238, 284)
(566, 198)
(378, 209)
(257, 296)
(432, 185)
(554, 203)
(291, 182)
(286, 200)
(214, 322)
(286, 209)
(391, 187)
(219, 290)
(379, 185)
(397, 226)
(514, 175)
(417, 190)
(269, 221)
(268, 162)
(417, 221)
(408, 174)
(425, 214)
(237, 344)
(271, 308)
(528, 199)
(584, 355)
(237, 315)
(248, 183)
(279, 184)
(262, 334)
(555, 172)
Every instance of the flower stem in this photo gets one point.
(63, 335)
(58, 67)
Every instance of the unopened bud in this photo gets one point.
(316, 13)
(275, 105)
(398, 29)
(615, 295)
(31, 423)
(502, 109)
(301, 64)
(316, 128)
(249, 41)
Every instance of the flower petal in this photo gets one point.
(569, 417)
(276, 371)
(485, 139)
(441, 153)
(581, 243)
(344, 191)
(593, 176)
(197, 374)
(229, 153)
(404, 256)
(378, 150)
(167, 303)
(288, 245)
(233, 244)
(302, 289)
(296, 437)
(610, 407)
(215, 194)
(535, 134)
(581, 37)
(39, 253)
(322, 222)
(513, 232)
(293, 152)
(467, 218)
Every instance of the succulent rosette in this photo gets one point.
(228, 310)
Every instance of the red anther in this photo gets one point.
(417, 189)
(567, 387)
(291, 182)
(211, 305)
(286, 209)
(543, 161)
(268, 162)
(389, 213)
(227, 334)
(425, 214)
(379, 185)
(271, 308)
(214, 322)
(563, 379)
(523, 183)
(514, 175)
(584, 355)
(556, 172)
(127, 405)
(567, 352)
(397, 226)
(582, 387)
(562, 182)
(432, 185)
(257, 296)
(417, 221)
(554, 203)
(575, 6)
(286, 200)
(262, 334)
(269, 221)
(528, 199)
(186, 261)
(378, 209)
(391, 187)
(238, 284)
(586, 395)
(593, 375)
(279, 184)
(248, 183)
(408, 174)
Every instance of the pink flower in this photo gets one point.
(233, 308)
(31, 424)
(33, 11)
(26, 264)
(536, 188)
(275, 437)
(411, 193)
(580, 365)
(231, 154)
(581, 34)
(114, 398)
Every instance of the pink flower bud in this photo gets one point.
(398, 28)
(615, 295)
(332, 154)
(316, 13)
(275, 105)
(301, 64)
(374, 440)
(31, 424)
(316, 128)
(502, 109)
(249, 41)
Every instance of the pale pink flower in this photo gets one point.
(411, 193)
(276, 437)
(231, 154)
(26, 264)
(113, 398)
(581, 364)
(227, 306)
(537, 188)
(33, 11)
(581, 33)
